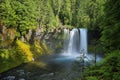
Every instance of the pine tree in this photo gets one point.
(111, 25)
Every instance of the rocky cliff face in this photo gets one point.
(6, 36)
(52, 37)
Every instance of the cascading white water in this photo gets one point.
(83, 40)
(75, 45)
(71, 42)
(66, 39)
(75, 41)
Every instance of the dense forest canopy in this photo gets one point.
(111, 25)
(28, 14)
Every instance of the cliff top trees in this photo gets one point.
(18, 14)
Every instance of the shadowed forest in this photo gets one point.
(32, 34)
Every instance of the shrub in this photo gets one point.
(92, 78)
(12, 57)
(109, 69)
(21, 53)
(24, 51)
(9, 58)
(40, 48)
(111, 66)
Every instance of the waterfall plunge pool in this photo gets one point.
(59, 66)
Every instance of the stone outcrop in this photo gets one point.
(49, 36)
(6, 36)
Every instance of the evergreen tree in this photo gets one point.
(111, 25)
(65, 13)
(26, 15)
(7, 13)
(19, 14)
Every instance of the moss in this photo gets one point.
(45, 48)
(8, 59)
(92, 78)
(7, 37)
(21, 53)
(24, 51)
(12, 57)
(40, 48)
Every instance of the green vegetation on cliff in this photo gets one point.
(20, 53)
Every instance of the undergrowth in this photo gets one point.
(20, 53)
(108, 69)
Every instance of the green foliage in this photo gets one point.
(92, 78)
(56, 6)
(108, 69)
(13, 57)
(7, 38)
(7, 14)
(26, 15)
(23, 15)
(40, 48)
(46, 16)
(18, 14)
(112, 66)
(9, 58)
(110, 25)
(24, 51)
(29, 14)
(20, 53)
(65, 13)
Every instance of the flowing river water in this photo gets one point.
(55, 67)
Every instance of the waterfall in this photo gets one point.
(74, 41)
(66, 39)
(83, 40)
(73, 44)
